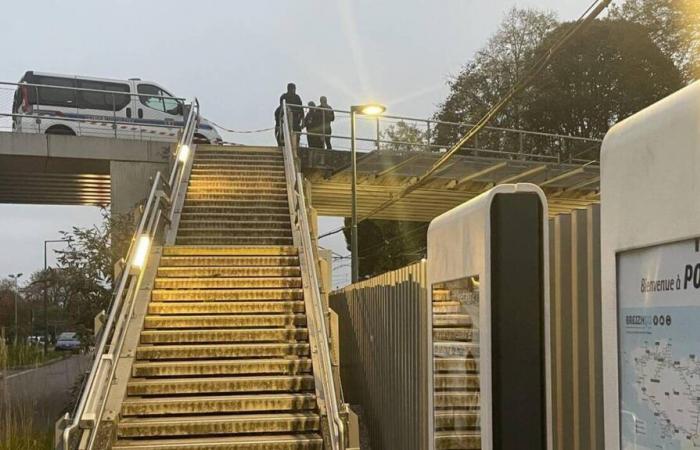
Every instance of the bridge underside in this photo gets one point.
(77, 170)
(381, 174)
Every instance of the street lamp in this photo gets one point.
(369, 109)
(15, 276)
(46, 297)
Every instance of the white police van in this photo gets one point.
(83, 106)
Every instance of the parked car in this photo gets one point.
(68, 341)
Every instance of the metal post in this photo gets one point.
(114, 115)
(378, 133)
(16, 278)
(46, 304)
(353, 231)
(428, 134)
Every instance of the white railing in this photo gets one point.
(158, 208)
(313, 302)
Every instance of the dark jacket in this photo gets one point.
(297, 113)
(326, 116)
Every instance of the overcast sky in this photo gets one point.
(236, 57)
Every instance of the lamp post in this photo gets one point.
(370, 109)
(15, 276)
(46, 296)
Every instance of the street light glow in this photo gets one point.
(184, 153)
(370, 109)
(142, 247)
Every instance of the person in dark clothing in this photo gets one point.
(279, 132)
(294, 101)
(312, 123)
(326, 116)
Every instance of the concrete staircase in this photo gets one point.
(224, 359)
(456, 380)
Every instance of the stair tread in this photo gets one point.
(216, 442)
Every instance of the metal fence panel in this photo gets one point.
(382, 326)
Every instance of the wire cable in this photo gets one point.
(260, 130)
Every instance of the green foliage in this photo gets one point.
(86, 268)
(673, 25)
(610, 71)
(405, 137)
(493, 71)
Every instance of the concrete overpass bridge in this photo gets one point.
(77, 170)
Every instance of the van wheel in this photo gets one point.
(60, 129)
(199, 139)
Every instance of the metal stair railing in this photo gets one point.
(90, 407)
(313, 302)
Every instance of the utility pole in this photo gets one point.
(46, 295)
(15, 277)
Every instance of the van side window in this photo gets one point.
(167, 105)
(54, 97)
(106, 101)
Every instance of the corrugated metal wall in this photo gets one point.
(382, 326)
(383, 364)
(576, 330)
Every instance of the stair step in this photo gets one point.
(459, 381)
(455, 349)
(222, 232)
(242, 182)
(207, 160)
(279, 215)
(207, 404)
(445, 307)
(229, 271)
(226, 307)
(452, 320)
(268, 442)
(260, 177)
(183, 250)
(227, 283)
(457, 420)
(221, 367)
(441, 295)
(176, 386)
(445, 440)
(452, 334)
(218, 425)
(262, 350)
(236, 211)
(225, 321)
(229, 261)
(232, 225)
(461, 365)
(457, 400)
(225, 295)
(239, 335)
(213, 240)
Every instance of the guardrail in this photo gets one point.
(91, 404)
(385, 132)
(318, 334)
(27, 107)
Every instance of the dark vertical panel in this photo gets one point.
(517, 323)
(595, 346)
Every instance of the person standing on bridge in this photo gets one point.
(279, 132)
(326, 116)
(312, 123)
(294, 101)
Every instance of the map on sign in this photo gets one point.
(659, 339)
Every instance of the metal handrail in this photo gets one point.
(92, 402)
(318, 333)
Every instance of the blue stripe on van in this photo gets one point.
(126, 120)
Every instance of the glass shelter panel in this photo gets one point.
(456, 379)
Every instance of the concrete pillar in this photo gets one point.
(131, 182)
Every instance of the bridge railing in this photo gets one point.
(38, 108)
(157, 212)
(386, 132)
(319, 337)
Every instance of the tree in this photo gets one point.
(87, 267)
(492, 72)
(386, 245)
(673, 25)
(609, 72)
(405, 137)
